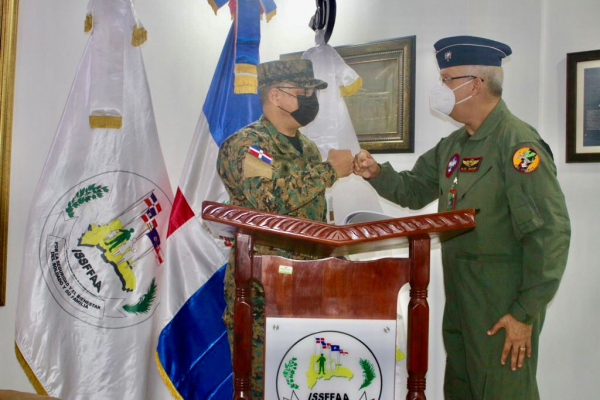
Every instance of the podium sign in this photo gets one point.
(333, 359)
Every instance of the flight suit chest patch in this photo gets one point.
(452, 164)
(470, 164)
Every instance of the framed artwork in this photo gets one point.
(583, 106)
(382, 111)
(8, 44)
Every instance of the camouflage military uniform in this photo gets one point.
(512, 262)
(293, 184)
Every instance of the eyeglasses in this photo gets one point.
(308, 92)
(444, 80)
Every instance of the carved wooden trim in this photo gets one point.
(333, 235)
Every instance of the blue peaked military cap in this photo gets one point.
(470, 50)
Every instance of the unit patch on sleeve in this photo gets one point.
(452, 165)
(470, 164)
(262, 155)
(257, 163)
(526, 160)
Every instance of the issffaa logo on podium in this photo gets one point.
(325, 359)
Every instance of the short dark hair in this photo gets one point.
(264, 92)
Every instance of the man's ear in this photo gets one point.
(273, 96)
(476, 87)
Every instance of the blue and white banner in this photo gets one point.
(193, 353)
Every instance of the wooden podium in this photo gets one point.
(332, 287)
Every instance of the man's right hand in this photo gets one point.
(365, 165)
(342, 162)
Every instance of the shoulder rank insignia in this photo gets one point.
(260, 154)
(452, 165)
(526, 160)
(470, 164)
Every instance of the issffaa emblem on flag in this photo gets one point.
(260, 154)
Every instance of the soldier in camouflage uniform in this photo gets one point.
(499, 277)
(270, 166)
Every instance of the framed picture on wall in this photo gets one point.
(382, 111)
(8, 45)
(583, 106)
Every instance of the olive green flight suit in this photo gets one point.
(293, 184)
(512, 262)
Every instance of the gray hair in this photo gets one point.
(492, 76)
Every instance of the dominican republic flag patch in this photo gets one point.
(262, 155)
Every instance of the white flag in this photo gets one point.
(333, 129)
(92, 252)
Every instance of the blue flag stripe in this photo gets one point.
(201, 356)
(193, 348)
(223, 391)
(225, 111)
(248, 32)
(211, 375)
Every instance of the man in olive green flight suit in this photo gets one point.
(270, 166)
(500, 276)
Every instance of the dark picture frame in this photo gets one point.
(583, 107)
(8, 47)
(382, 111)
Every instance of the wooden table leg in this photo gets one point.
(418, 319)
(242, 318)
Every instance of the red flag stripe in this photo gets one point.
(180, 213)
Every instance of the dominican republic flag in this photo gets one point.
(152, 202)
(247, 15)
(89, 282)
(262, 155)
(193, 355)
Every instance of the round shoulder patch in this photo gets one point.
(526, 160)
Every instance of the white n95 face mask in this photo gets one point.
(442, 99)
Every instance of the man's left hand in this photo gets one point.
(517, 342)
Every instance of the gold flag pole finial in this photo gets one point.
(89, 23)
(139, 36)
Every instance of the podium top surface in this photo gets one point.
(322, 239)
